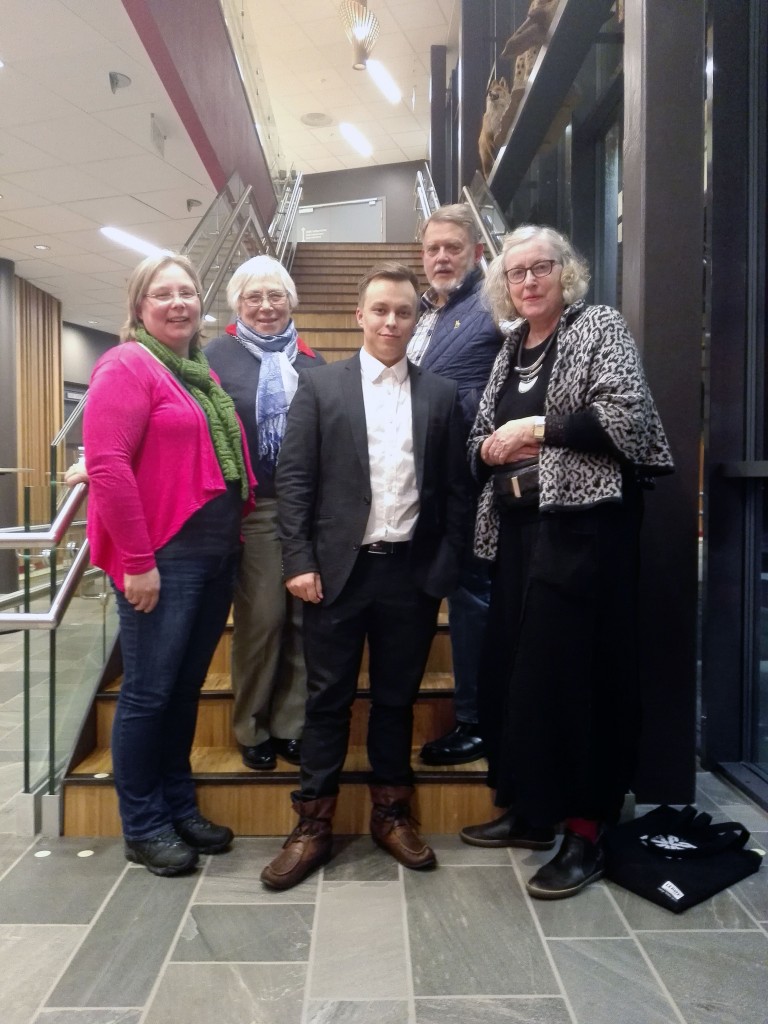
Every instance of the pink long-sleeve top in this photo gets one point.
(150, 459)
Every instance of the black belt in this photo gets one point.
(385, 547)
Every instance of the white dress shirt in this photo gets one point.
(389, 422)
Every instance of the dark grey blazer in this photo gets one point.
(323, 478)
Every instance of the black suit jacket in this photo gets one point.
(323, 478)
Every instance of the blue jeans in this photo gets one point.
(468, 621)
(166, 655)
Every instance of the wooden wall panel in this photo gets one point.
(39, 391)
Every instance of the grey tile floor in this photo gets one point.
(86, 938)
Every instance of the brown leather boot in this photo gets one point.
(307, 848)
(392, 827)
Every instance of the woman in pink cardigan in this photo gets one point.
(170, 479)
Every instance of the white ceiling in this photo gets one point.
(300, 48)
(74, 156)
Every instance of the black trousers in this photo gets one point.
(559, 699)
(381, 604)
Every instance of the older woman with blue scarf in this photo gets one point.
(258, 361)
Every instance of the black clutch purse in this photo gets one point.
(517, 485)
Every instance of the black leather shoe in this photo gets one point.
(509, 830)
(261, 757)
(577, 863)
(165, 854)
(289, 750)
(460, 746)
(202, 835)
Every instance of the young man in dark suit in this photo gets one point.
(372, 505)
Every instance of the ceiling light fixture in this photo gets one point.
(362, 29)
(209, 319)
(356, 139)
(42, 247)
(384, 81)
(117, 80)
(132, 242)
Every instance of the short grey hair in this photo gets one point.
(574, 277)
(253, 273)
(454, 213)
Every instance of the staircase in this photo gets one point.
(327, 276)
(258, 803)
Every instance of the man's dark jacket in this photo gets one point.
(324, 487)
(464, 343)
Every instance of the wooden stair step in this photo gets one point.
(446, 798)
(432, 714)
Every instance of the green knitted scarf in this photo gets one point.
(195, 374)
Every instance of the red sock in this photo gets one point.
(584, 827)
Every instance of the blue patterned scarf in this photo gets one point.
(277, 385)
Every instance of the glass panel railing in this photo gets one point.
(56, 627)
(491, 219)
(79, 649)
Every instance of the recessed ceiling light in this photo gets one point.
(132, 242)
(42, 247)
(209, 319)
(316, 119)
(1, 64)
(384, 81)
(93, 321)
(356, 139)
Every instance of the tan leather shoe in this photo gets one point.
(392, 827)
(307, 848)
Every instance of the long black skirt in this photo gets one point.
(558, 699)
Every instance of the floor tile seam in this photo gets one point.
(24, 852)
(410, 988)
(235, 963)
(252, 903)
(646, 958)
(495, 996)
(588, 938)
(310, 961)
(87, 929)
(90, 1009)
(696, 931)
(543, 939)
(739, 798)
(174, 939)
(742, 904)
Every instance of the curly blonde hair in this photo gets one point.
(574, 277)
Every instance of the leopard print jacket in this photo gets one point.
(597, 367)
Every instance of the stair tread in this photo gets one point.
(226, 761)
(219, 684)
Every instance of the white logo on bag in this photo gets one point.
(671, 890)
(668, 842)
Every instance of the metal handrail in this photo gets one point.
(17, 597)
(51, 619)
(34, 539)
(288, 215)
(488, 240)
(213, 252)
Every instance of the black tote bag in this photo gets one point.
(678, 858)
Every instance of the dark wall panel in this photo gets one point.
(393, 181)
(80, 348)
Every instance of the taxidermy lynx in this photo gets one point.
(496, 102)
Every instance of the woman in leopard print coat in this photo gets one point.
(567, 404)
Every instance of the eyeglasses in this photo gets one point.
(541, 268)
(166, 298)
(452, 248)
(257, 298)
